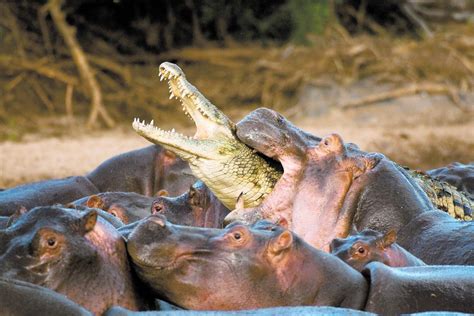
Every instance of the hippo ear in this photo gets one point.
(239, 205)
(95, 201)
(88, 220)
(282, 242)
(162, 192)
(389, 238)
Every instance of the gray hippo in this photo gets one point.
(77, 254)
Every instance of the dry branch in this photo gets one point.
(41, 94)
(68, 34)
(37, 66)
(68, 102)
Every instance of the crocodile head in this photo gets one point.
(214, 130)
(215, 154)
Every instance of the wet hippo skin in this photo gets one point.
(415, 289)
(239, 267)
(25, 299)
(437, 238)
(196, 207)
(74, 253)
(144, 171)
(369, 245)
(46, 192)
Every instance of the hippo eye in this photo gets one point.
(237, 236)
(157, 209)
(113, 213)
(361, 250)
(326, 142)
(51, 242)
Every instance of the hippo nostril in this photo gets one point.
(159, 220)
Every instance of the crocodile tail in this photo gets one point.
(445, 196)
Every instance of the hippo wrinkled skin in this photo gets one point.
(239, 267)
(330, 188)
(369, 245)
(145, 171)
(196, 207)
(75, 254)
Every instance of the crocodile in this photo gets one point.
(229, 167)
(215, 154)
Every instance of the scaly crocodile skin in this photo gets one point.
(228, 167)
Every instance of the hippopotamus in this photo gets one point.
(436, 238)
(196, 207)
(45, 192)
(73, 253)
(126, 206)
(369, 245)
(395, 291)
(457, 174)
(146, 171)
(266, 265)
(23, 298)
(239, 267)
(330, 189)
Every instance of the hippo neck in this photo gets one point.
(302, 286)
(387, 199)
(325, 203)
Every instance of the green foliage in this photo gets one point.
(309, 16)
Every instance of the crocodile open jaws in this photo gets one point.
(215, 154)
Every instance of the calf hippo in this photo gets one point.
(72, 253)
(369, 245)
(239, 267)
(126, 206)
(196, 207)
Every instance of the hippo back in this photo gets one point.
(419, 289)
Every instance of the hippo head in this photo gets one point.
(238, 267)
(196, 207)
(70, 252)
(360, 249)
(38, 245)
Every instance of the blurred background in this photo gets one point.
(394, 76)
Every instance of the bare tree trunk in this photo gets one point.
(68, 34)
(168, 30)
(198, 36)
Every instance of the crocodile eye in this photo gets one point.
(51, 242)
